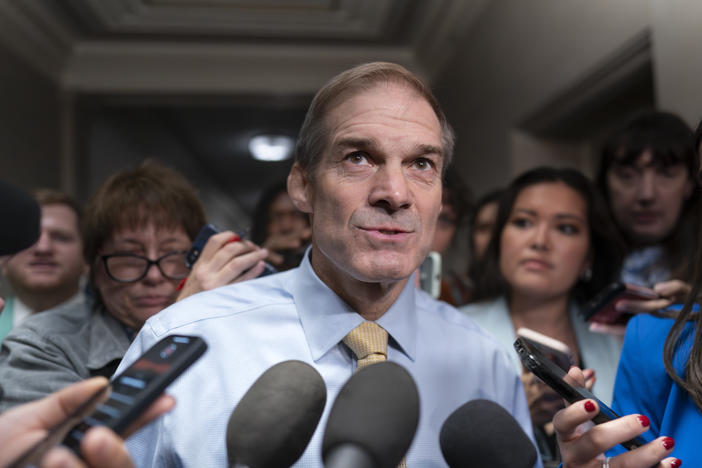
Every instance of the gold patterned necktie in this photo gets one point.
(369, 342)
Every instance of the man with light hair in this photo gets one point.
(48, 273)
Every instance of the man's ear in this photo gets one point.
(300, 189)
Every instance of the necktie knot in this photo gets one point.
(369, 342)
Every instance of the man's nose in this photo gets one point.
(44, 243)
(390, 188)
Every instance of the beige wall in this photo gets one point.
(29, 126)
(677, 31)
(520, 56)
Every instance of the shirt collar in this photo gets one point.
(326, 319)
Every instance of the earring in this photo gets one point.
(586, 275)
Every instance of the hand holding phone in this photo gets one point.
(603, 307)
(553, 376)
(218, 258)
(136, 398)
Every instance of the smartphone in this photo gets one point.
(132, 392)
(554, 350)
(552, 375)
(207, 231)
(430, 274)
(196, 249)
(602, 308)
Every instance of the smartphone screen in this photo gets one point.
(552, 375)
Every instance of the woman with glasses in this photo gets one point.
(137, 229)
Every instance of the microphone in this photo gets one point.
(20, 216)
(373, 420)
(276, 418)
(482, 433)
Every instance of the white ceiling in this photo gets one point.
(228, 46)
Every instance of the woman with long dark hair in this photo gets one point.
(553, 247)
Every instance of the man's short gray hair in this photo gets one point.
(314, 134)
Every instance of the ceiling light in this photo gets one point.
(271, 147)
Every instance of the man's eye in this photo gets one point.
(424, 164)
(357, 157)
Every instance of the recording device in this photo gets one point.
(373, 420)
(132, 392)
(430, 274)
(275, 420)
(207, 231)
(482, 433)
(140, 384)
(602, 308)
(552, 375)
(555, 350)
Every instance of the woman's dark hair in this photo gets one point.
(692, 380)
(671, 142)
(490, 197)
(261, 214)
(606, 247)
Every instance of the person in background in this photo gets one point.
(22, 427)
(455, 204)
(481, 223)
(137, 228)
(279, 227)
(658, 387)
(554, 247)
(47, 274)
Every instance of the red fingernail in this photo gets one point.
(589, 406)
(675, 463)
(668, 443)
(236, 238)
(182, 283)
(645, 422)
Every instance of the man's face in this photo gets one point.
(646, 198)
(55, 262)
(133, 303)
(376, 194)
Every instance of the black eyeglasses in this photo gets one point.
(129, 268)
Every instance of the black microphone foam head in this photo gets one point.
(276, 418)
(20, 217)
(482, 433)
(376, 410)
